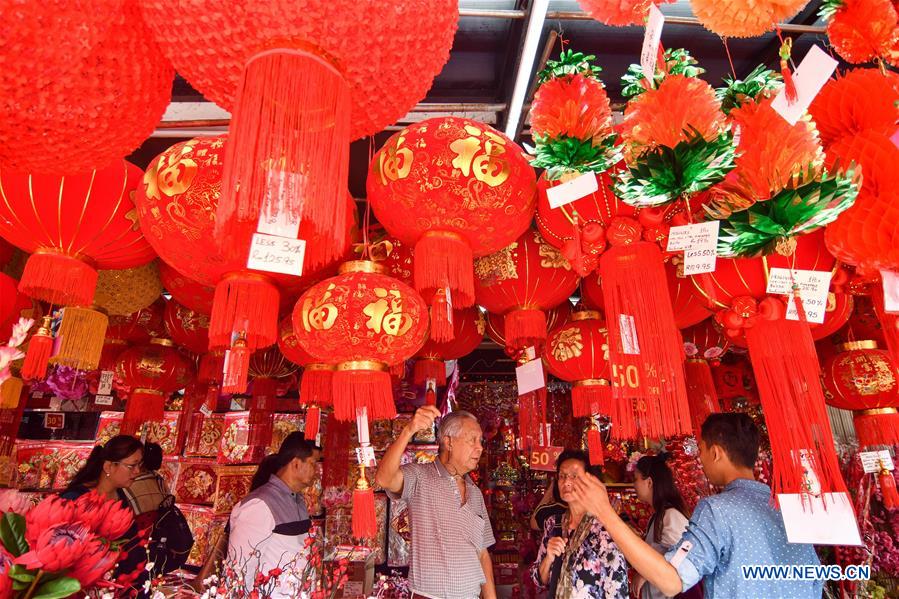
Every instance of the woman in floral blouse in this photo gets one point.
(577, 558)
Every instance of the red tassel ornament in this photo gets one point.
(312, 423)
(594, 446)
(428, 368)
(245, 302)
(786, 48)
(237, 366)
(363, 384)
(365, 523)
(888, 489)
(37, 358)
(700, 391)
(441, 317)
(879, 426)
(316, 385)
(143, 405)
(337, 453)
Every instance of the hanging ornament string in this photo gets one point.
(730, 60)
(786, 63)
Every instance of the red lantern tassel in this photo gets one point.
(888, 489)
(37, 358)
(786, 48)
(58, 279)
(592, 396)
(237, 367)
(594, 447)
(336, 453)
(246, 302)
(444, 259)
(645, 346)
(365, 523)
(316, 384)
(143, 405)
(526, 418)
(877, 427)
(260, 417)
(441, 318)
(525, 327)
(287, 150)
(429, 368)
(787, 374)
(360, 385)
(700, 391)
(312, 423)
(212, 366)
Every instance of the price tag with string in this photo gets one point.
(813, 285)
(699, 242)
(365, 453)
(650, 51)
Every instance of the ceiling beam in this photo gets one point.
(536, 19)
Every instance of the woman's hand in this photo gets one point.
(555, 548)
(592, 494)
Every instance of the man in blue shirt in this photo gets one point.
(736, 528)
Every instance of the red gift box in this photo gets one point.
(283, 425)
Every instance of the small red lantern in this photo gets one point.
(153, 372)
(522, 281)
(862, 378)
(455, 189)
(186, 327)
(362, 321)
(496, 327)
(139, 327)
(317, 378)
(187, 292)
(468, 332)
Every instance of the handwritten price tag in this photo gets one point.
(628, 331)
(529, 377)
(700, 261)
(650, 51)
(810, 76)
(544, 458)
(890, 291)
(104, 387)
(103, 400)
(813, 289)
(871, 460)
(271, 253)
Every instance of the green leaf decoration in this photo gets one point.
(569, 63)
(12, 533)
(829, 8)
(677, 60)
(566, 154)
(661, 175)
(18, 573)
(57, 588)
(737, 91)
(813, 202)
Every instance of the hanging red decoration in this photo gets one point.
(468, 332)
(153, 372)
(744, 18)
(863, 30)
(862, 378)
(112, 92)
(317, 379)
(139, 327)
(362, 321)
(496, 327)
(455, 189)
(187, 292)
(71, 226)
(268, 368)
(860, 100)
(13, 305)
(301, 82)
(187, 328)
(619, 13)
(522, 281)
(703, 343)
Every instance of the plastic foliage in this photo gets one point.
(760, 82)
(677, 62)
(569, 63)
(796, 210)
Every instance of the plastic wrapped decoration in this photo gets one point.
(619, 13)
(744, 18)
(860, 100)
(46, 216)
(268, 369)
(522, 281)
(112, 92)
(468, 332)
(862, 30)
(128, 290)
(302, 81)
(676, 143)
(422, 186)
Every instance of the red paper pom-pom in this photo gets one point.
(859, 100)
(619, 12)
(91, 112)
(862, 30)
(744, 18)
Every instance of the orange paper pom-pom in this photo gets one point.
(619, 12)
(665, 116)
(744, 18)
(576, 106)
(873, 152)
(861, 99)
(771, 152)
(862, 30)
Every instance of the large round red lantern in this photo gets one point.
(468, 332)
(362, 321)
(112, 92)
(522, 281)
(317, 379)
(862, 378)
(153, 372)
(72, 226)
(186, 291)
(455, 189)
(186, 327)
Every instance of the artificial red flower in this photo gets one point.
(53, 510)
(108, 518)
(58, 547)
(6, 562)
(93, 565)
(13, 501)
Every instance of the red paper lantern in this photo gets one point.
(496, 327)
(139, 327)
(619, 13)
(860, 100)
(186, 327)
(317, 379)
(153, 372)
(104, 82)
(522, 281)
(469, 325)
(362, 321)
(72, 226)
(454, 189)
(744, 18)
(865, 30)
(862, 378)
(268, 369)
(186, 291)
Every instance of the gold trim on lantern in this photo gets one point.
(368, 266)
(590, 383)
(448, 234)
(863, 344)
(697, 361)
(161, 341)
(362, 365)
(318, 366)
(585, 315)
(877, 412)
(146, 391)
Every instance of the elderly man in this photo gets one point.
(450, 527)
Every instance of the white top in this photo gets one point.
(674, 524)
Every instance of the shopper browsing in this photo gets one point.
(450, 527)
(736, 528)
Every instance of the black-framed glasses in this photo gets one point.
(130, 467)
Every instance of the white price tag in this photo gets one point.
(813, 289)
(204, 409)
(826, 520)
(103, 400)
(55, 403)
(38, 395)
(627, 328)
(698, 261)
(274, 218)
(810, 76)
(871, 460)
(890, 291)
(271, 253)
(693, 237)
(366, 455)
(572, 190)
(104, 387)
(651, 39)
(449, 304)
(895, 138)
(529, 377)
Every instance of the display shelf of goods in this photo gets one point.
(197, 480)
(234, 447)
(205, 435)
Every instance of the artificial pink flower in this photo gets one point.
(58, 547)
(54, 510)
(13, 501)
(96, 562)
(108, 518)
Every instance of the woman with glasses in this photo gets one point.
(577, 557)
